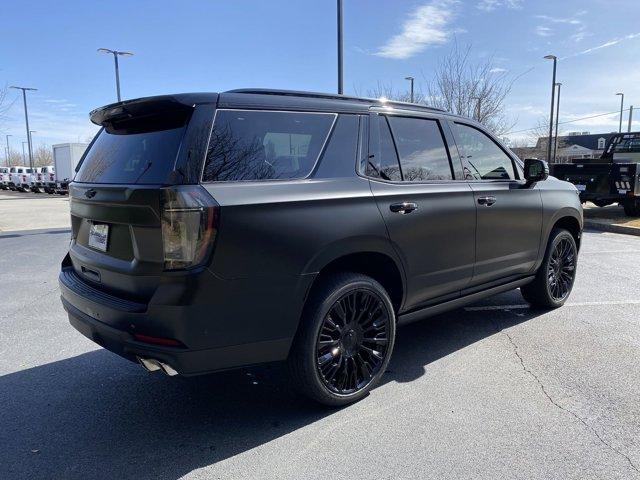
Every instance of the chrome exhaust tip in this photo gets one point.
(153, 365)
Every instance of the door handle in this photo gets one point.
(404, 207)
(487, 201)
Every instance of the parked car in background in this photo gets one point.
(20, 178)
(213, 231)
(66, 157)
(48, 178)
(35, 180)
(4, 178)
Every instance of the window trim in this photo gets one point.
(516, 171)
(306, 177)
(376, 131)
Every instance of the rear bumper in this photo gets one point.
(111, 323)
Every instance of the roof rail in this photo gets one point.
(332, 96)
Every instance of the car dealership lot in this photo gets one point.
(491, 391)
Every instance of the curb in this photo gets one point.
(610, 227)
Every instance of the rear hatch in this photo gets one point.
(136, 212)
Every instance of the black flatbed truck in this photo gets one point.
(612, 178)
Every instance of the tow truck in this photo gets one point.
(612, 178)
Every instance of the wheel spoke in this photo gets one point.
(353, 341)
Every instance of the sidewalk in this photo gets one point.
(610, 219)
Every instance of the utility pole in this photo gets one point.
(553, 92)
(340, 72)
(24, 159)
(8, 151)
(116, 54)
(411, 79)
(621, 109)
(478, 107)
(555, 141)
(26, 118)
(630, 118)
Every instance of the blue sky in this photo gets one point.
(217, 45)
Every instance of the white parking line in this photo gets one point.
(568, 304)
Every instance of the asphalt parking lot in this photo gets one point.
(492, 391)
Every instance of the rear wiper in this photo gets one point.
(143, 172)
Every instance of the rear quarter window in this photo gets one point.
(264, 145)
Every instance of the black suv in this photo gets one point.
(213, 231)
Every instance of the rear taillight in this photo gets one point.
(189, 226)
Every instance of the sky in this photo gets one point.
(217, 45)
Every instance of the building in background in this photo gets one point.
(573, 146)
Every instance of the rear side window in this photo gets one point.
(423, 155)
(483, 158)
(143, 158)
(385, 163)
(262, 145)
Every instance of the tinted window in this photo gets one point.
(423, 155)
(483, 158)
(254, 145)
(143, 158)
(385, 162)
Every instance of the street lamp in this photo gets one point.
(555, 141)
(621, 109)
(31, 132)
(553, 92)
(26, 118)
(115, 54)
(411, 79)
(340, 72)
(8, 152)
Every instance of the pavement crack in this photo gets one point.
(564, 409)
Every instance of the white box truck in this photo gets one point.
(65, 158)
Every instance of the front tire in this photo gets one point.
(345, 340)
(555, 277)
(632, 208)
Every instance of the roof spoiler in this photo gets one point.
(114, 113)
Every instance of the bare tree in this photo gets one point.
(43, 156)
(475, 90)
(386, 90)
(4, 104)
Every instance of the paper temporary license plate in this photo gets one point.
(581, 188)
(99, 236)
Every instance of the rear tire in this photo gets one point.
(344, 341)
(555, 278)
(632, 208)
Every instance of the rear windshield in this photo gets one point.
(142, 158)
(261, 145)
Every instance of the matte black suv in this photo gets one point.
(212, 231)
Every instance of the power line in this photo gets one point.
(617, 112)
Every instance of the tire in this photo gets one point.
(552, 285)
(602, 203)
(343, 367)
(632, 208)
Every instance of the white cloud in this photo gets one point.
(426, 26)
(543, 31)
(497, 70)
(608, 44)
(490, 5)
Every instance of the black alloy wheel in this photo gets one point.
(352, 342)
(561, 269)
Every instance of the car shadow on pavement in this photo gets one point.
(98, 416)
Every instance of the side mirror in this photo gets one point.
(535, 170)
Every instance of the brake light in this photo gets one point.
(189, 226)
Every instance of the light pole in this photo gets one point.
(555, 141)
(31, 132)
(553, 92)
(26, 118)
(8, 151)
(411, 80)
(621, 109)
(630, 118)
(115, 54)
(24, 159)
(340, 73)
